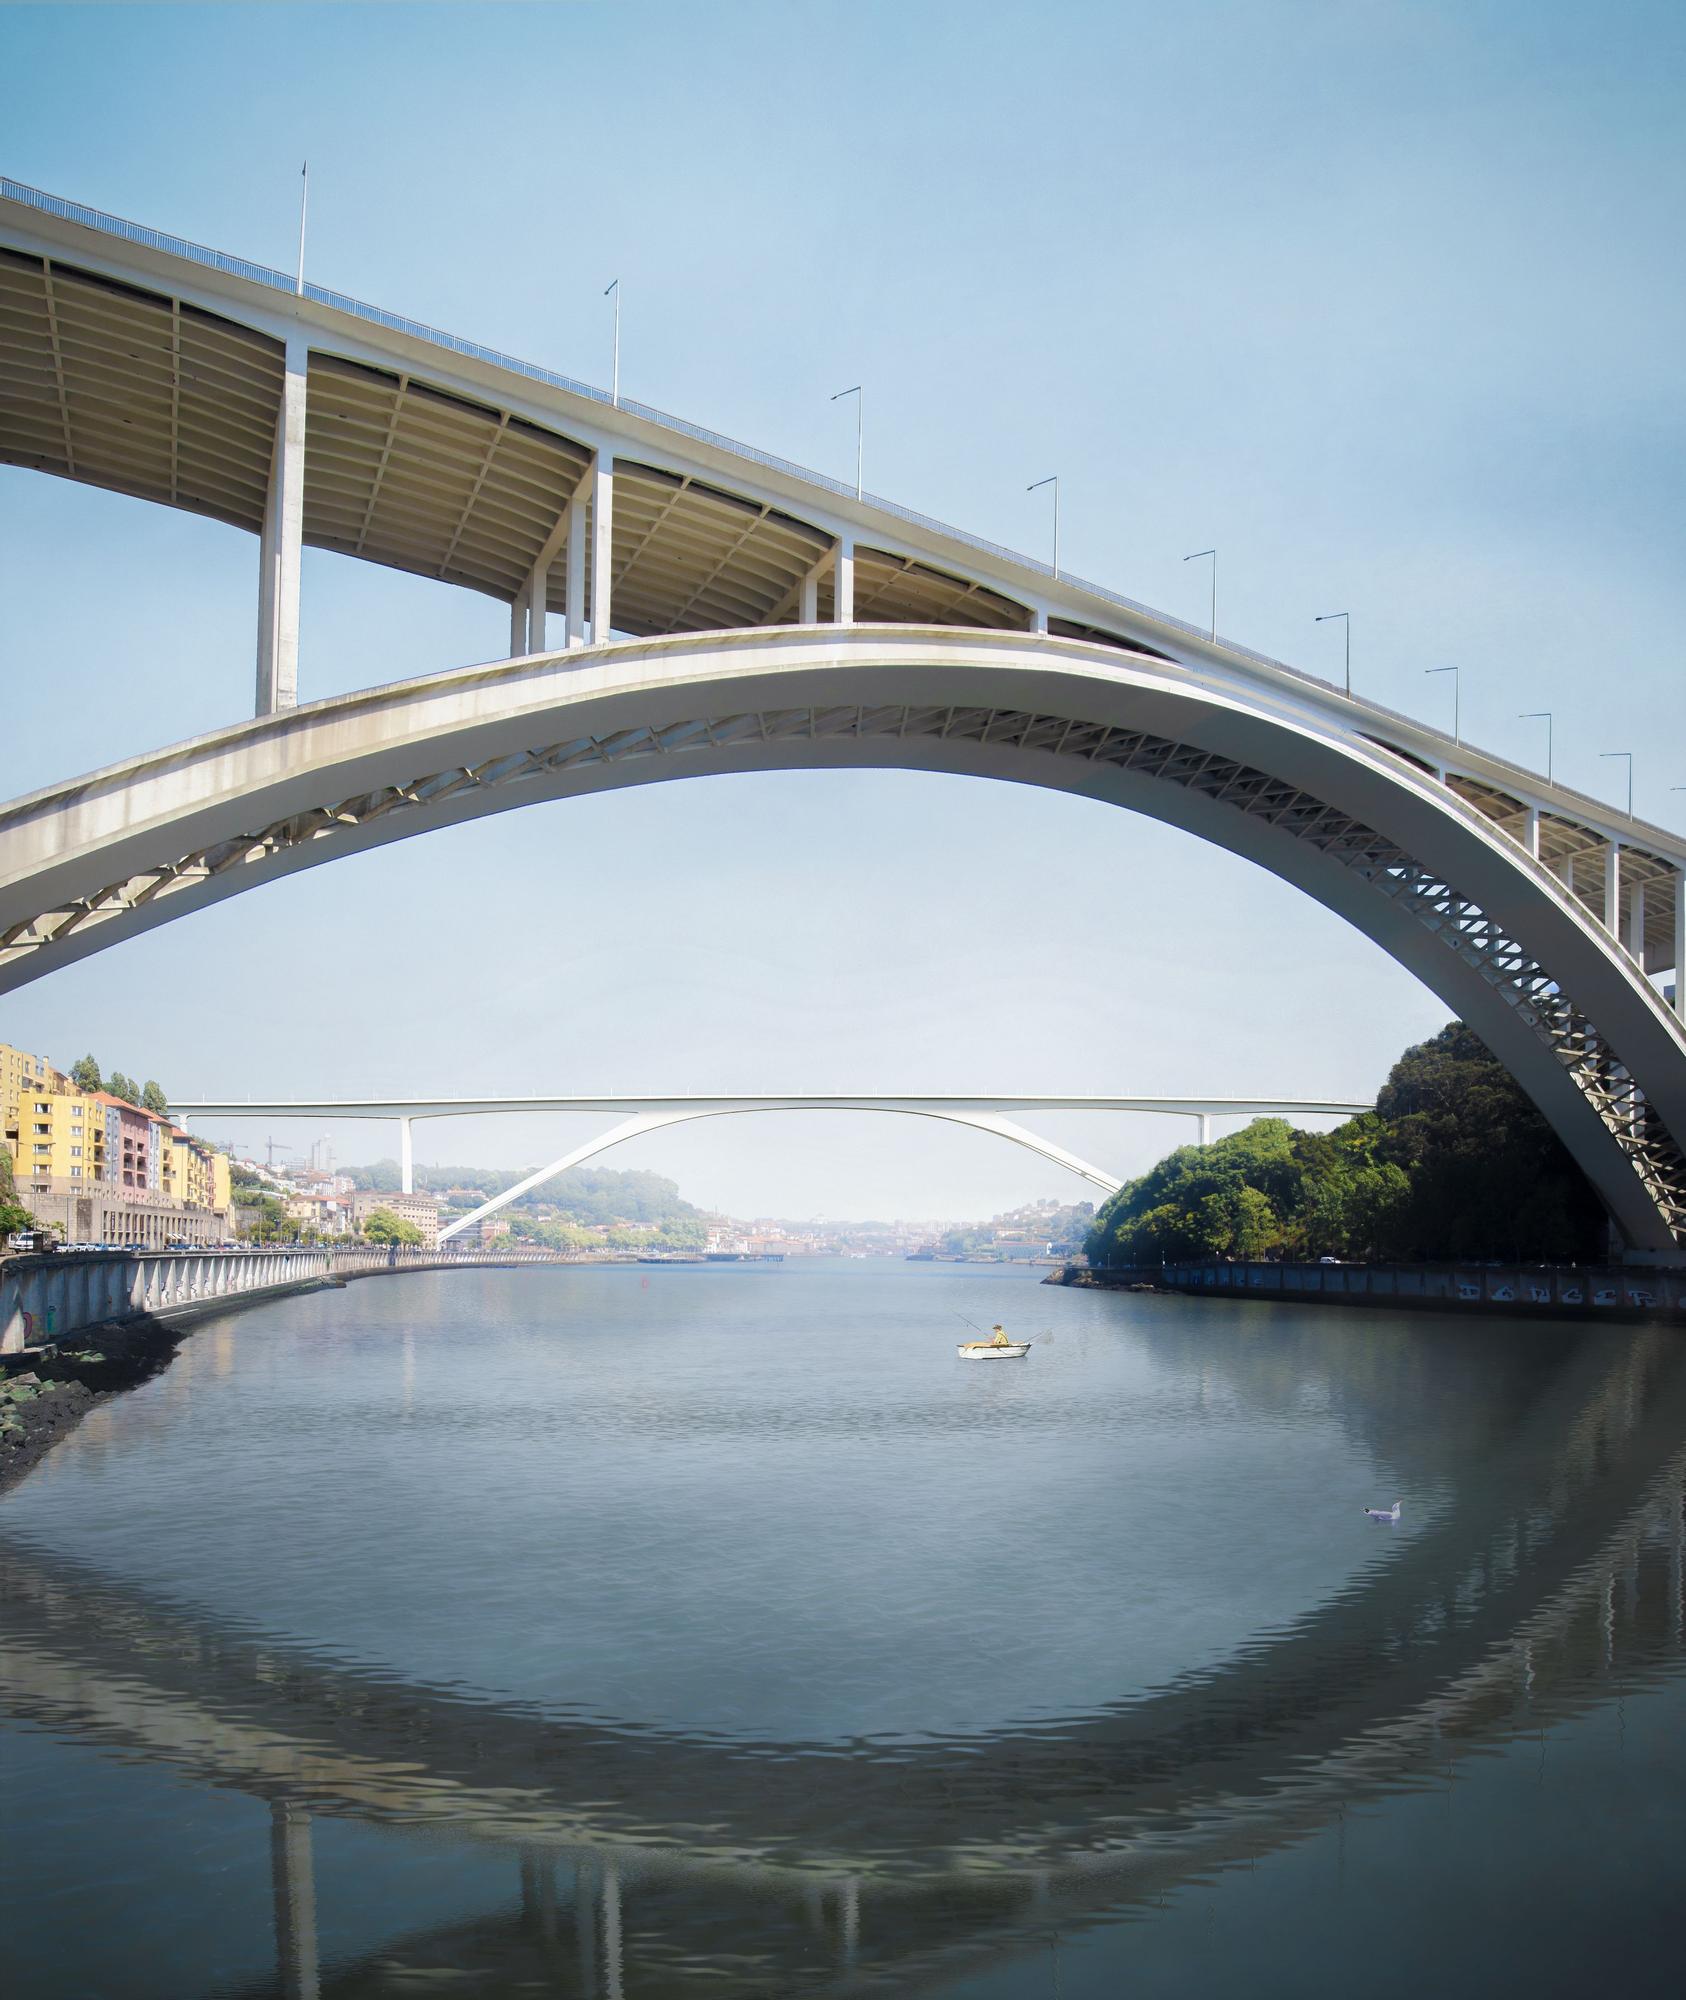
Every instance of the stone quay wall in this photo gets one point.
(1562, 1290)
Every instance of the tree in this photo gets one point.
(1453, 1162)
(382, 1226)
(153, 1098)
(124, 1087)
(12, 1216)
(85, 1074)
(8, 1186)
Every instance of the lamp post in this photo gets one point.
(1541, 715)
(1457, 698)
(1628, 754)
(304, 208)
(615, 392)
(1328, 617)
(1052, 480)
(1214, 555)
(860, 428)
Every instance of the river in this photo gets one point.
(667, 1631)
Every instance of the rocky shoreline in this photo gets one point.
(44, 1396)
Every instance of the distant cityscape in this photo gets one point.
(97, 1158)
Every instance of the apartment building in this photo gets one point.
(23, 1075)
(60, 1138)
(421, 1209)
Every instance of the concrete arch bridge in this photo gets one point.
(692, 576)
(655, 1114)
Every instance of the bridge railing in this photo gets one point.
(55, 1297)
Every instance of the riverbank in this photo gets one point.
(1571, 1291)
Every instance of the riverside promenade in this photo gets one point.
(49, 1299)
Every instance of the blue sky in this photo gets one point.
(1384, 300)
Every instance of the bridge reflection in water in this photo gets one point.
(649, 1860)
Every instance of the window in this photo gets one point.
(76, 1173)
(76, 1152)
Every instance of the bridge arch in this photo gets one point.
(657, 1121)
(1245, 764)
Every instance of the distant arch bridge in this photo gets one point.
(655, 1114)
(723, 611)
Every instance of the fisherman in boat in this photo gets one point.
(1000, 1339)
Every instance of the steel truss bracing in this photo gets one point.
(1454, 918)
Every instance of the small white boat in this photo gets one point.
(998, 1349)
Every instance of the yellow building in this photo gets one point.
(23, 1075)
(60, 1138)
(194, 1172)
(185, 1168)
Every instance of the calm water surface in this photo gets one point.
(645, 1632)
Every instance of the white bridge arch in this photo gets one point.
(136, 362)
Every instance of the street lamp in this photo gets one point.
(860, 429)
(1346, 625)
(1052, 480)
(1214, 555)
(1457, 698)
(615, 393)
(1541, 715)
(1628, 754)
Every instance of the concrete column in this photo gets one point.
(576, 565)
(843, 570)
(518, 621)
(1613, 889)
(808, 604)
(1205, 1128)
(293, 1884)
(281, 543)
(1039, 618)
(602, 545)
(406, 1157)
(1531, 838)
(1636, 925)
(538, 609)
(1680, 943)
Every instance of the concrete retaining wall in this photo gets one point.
(1502, 1288)
(54, 1297)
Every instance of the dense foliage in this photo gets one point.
(1453, 1162)
(85, 1074)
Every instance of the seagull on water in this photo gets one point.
(1383, 1513)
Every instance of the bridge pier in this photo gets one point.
(281, 543)
(602, 543)
(843, 581)
(406, 1157)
